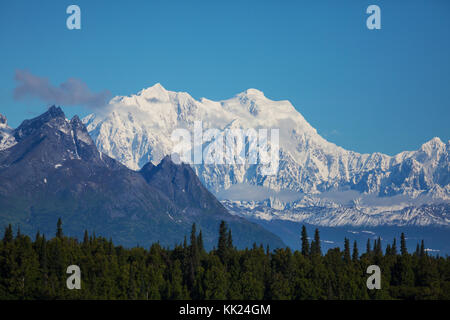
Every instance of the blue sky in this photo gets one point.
(384, 90)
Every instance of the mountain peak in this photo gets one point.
(434, 143)
(436, 140)
(158, 85)
(167, 162)
(3, 121)
(54, 112)
(253, 93)
(156, 91)
(6, 138)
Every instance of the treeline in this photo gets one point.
(37, 270)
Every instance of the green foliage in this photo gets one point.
(37, 270)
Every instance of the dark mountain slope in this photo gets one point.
(182, 186)
(55, 170)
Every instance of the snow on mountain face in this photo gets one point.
(137, 129)
(6, 138)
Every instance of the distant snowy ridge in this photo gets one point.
(340, 215)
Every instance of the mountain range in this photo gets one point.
(51, 168)
(317, 181)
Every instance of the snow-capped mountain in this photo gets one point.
(136, 129)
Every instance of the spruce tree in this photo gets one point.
(223, 241)
(347, 258)
(8, 236)
(86, 238)
(422, 249)
(194, 248)
(378, 250)
(403, 249)
(388, 250)
(305, 242)
(200, 245)
(194, 252)
(394, 247)
(59, 232)
(417, 253)
(315, 245)
(229, 240)
(368, 247)
(42, 256)
(355, 254)
(185, 243)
